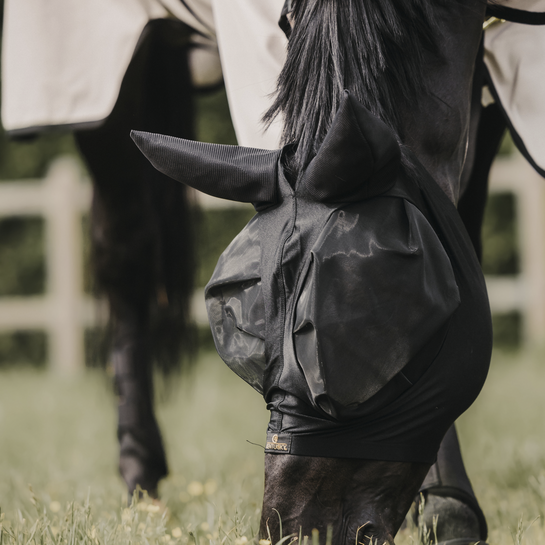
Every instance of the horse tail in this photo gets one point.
(172, 331)
(143, 221)
(169, 99)
(373, 48)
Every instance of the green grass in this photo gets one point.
(58, 435)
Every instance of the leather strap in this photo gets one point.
(283, 22)
(517, 15)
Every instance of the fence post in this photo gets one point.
(64, 267)
(531, 237)
(527, 292)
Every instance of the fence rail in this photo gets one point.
(64, 310)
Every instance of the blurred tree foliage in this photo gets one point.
(22, 260)
(507, 145)
(23, 348)
(213, 119)
(29, 158)
(500, 250)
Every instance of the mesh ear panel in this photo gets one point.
(235, 173)
(359, 158)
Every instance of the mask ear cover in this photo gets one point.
(234, 173)
(359, 158)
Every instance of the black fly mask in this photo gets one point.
(338, 281)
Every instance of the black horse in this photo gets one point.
(142, 226)
(410, 66)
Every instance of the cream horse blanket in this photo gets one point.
(63, 62)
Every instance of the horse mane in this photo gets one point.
(373, 48)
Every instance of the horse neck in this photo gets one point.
(409, 63)
(437, 128)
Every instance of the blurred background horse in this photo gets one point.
(141, 228)
(101, 69)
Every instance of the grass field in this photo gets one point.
(58, 435)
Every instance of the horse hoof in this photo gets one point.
(140, 467)
(457, 524)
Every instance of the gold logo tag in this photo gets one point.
(275, 445)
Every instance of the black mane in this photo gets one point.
(373, 48)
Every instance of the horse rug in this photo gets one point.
(515, 60)
(63, 61)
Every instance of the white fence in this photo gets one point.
(64, 311)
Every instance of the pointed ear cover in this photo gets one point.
(235, 173)
(359, 158)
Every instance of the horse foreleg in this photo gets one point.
(142, 460)
(449, 496)
(124, 246)
(141, 240)
(447, 488)
(473, 201)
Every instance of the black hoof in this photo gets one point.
(457, 523)
(139, 465)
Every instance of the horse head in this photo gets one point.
(314, 250)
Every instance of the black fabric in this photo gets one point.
(377, 287)
(410, 426)
(358, 159)
(236, 308)
(364, 322)
(228, 172)
(516, 15)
